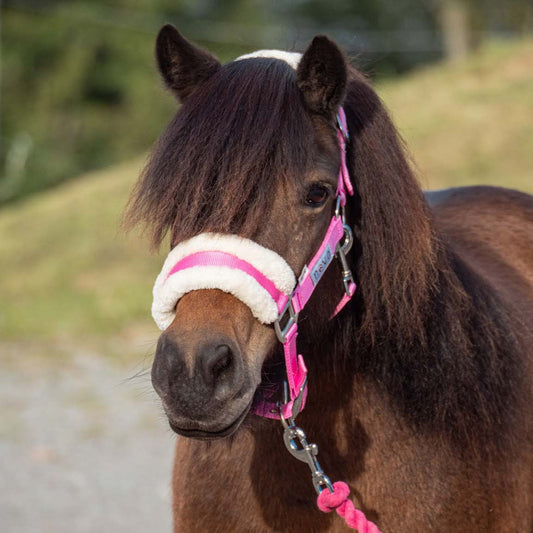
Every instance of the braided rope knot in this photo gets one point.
(338, 501)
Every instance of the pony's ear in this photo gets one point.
(183, 66)
(321, 76)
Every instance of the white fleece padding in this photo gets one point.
(292, 58)
(168, 290)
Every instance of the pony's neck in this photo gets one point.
(453, 376)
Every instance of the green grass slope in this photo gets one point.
(472, 122)
(67, 274)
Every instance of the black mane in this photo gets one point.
(216, 164)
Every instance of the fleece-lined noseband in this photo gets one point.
(257, 276)
(263, 280)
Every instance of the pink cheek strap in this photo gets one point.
(287, 324)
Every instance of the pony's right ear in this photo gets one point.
(183, 66)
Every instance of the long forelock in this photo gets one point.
(219, 162)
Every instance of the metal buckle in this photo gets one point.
(344, 132)
(340, 211)
(281, 332)
(297, 402)
(341, 251)
(339, 208)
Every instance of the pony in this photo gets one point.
(420, 389)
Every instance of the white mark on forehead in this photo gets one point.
(291, 58)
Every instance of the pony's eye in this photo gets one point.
(316, 196)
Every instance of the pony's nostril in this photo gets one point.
(217, 362)
(223, 362)
(168, 365)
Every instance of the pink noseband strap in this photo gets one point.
(217, 258)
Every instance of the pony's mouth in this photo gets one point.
(270, 388)
(202, 434)
(273, 374)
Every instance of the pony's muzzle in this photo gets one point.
(217, 369)
(198, 386)
(200, 371)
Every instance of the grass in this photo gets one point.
(68, 276)
(472, 122)
(67, 273)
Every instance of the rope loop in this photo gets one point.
(338, 501)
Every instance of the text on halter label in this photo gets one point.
(321, 265)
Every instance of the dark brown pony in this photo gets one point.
(420, 392)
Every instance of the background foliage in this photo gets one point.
(80, 91)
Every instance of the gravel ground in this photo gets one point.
(83, 448)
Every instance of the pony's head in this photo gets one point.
(251, 158)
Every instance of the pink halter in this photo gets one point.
(331, 496)
(289, 306)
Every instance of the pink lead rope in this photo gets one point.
(338, 501)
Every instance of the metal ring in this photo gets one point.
(348, 239)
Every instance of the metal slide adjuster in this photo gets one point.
(297, 402)
(281, 331)
(340, 210)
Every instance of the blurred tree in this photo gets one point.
(464, 24)
(454, 16)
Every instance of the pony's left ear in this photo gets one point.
(321, 76)
(183, 66)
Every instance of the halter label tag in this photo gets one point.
(323, 262)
